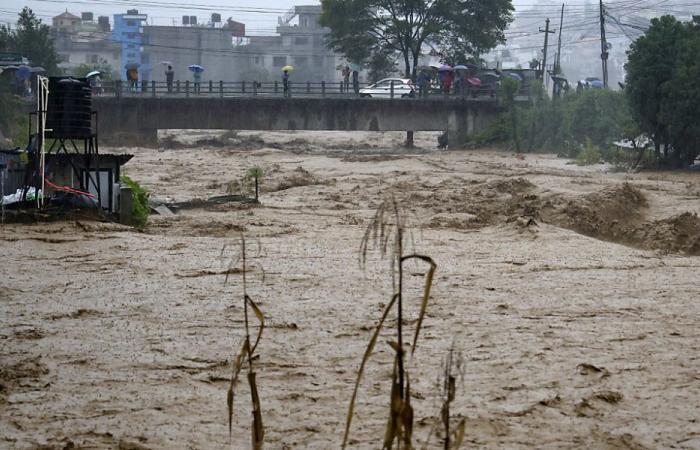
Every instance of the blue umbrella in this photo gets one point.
(460, 67)
(445, 68)
(24, 71)
(597, 84)
(196, 68)
(514, 75)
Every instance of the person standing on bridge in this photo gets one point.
(132, 75)
(169, 76)
(285, 82)
(345, 87)
(197, 81)
(356, 81)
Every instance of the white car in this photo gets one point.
(403, 87)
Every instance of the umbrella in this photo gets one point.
(24, 71)
(355, 67)
(460, 67)
(597, 84)
(38, 69)
(11, 67)
(445, 68)
(166, 63)
(490, 74)
(196, 68)
(434, 65)
(132, 65)
(287, 68)
(474, 81)
(514, 75)
(94, 73)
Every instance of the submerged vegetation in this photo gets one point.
(139, 201)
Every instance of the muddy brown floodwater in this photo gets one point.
(572, 294)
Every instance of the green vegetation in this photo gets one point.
(140, 208)
(361, 29)
(663, 70)
(589, 155)
(30, 39)
(565, 125)
(14, 120)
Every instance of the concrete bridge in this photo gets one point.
(136, 120)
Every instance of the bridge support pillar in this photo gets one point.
(140, 137)
(460, 125)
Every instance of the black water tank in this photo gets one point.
(69, 112)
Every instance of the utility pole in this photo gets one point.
(546, 32)
(557, 66)
(603, 46)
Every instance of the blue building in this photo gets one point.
(128, 31)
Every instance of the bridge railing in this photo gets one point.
(211, 88)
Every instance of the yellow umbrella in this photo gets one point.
(287, 68)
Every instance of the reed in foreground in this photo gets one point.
(246, 356)
(387, 233)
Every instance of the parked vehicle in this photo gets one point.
(403, 88)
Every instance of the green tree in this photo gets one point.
(680, 109)
(650, 67)
(510, 89)
(361, 28)
(30, 39)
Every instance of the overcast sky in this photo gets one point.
(263, 21)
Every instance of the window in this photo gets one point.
(301, 40)
(301, 61)
(279, 61)
(304, 22)
(91, 59)
(130, 23)
(257, 60)
(131, 46)
(131, 35)
(131, 55)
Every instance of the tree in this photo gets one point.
(30, 39)
(680, 110)
(362, 28)
(662, 88)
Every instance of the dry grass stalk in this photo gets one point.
(452, 367)
(386, 232)
(247, 355)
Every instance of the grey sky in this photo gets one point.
(257, 23)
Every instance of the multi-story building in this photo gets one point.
(301, 44)
(128, 33)
(210, 46)
(81, 41)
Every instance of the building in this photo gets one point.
(66, 22)
(128, 33)
(80, 41)
(300, 44)
(211, 47)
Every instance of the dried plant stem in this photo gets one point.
(388, 223)
(247, 354)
